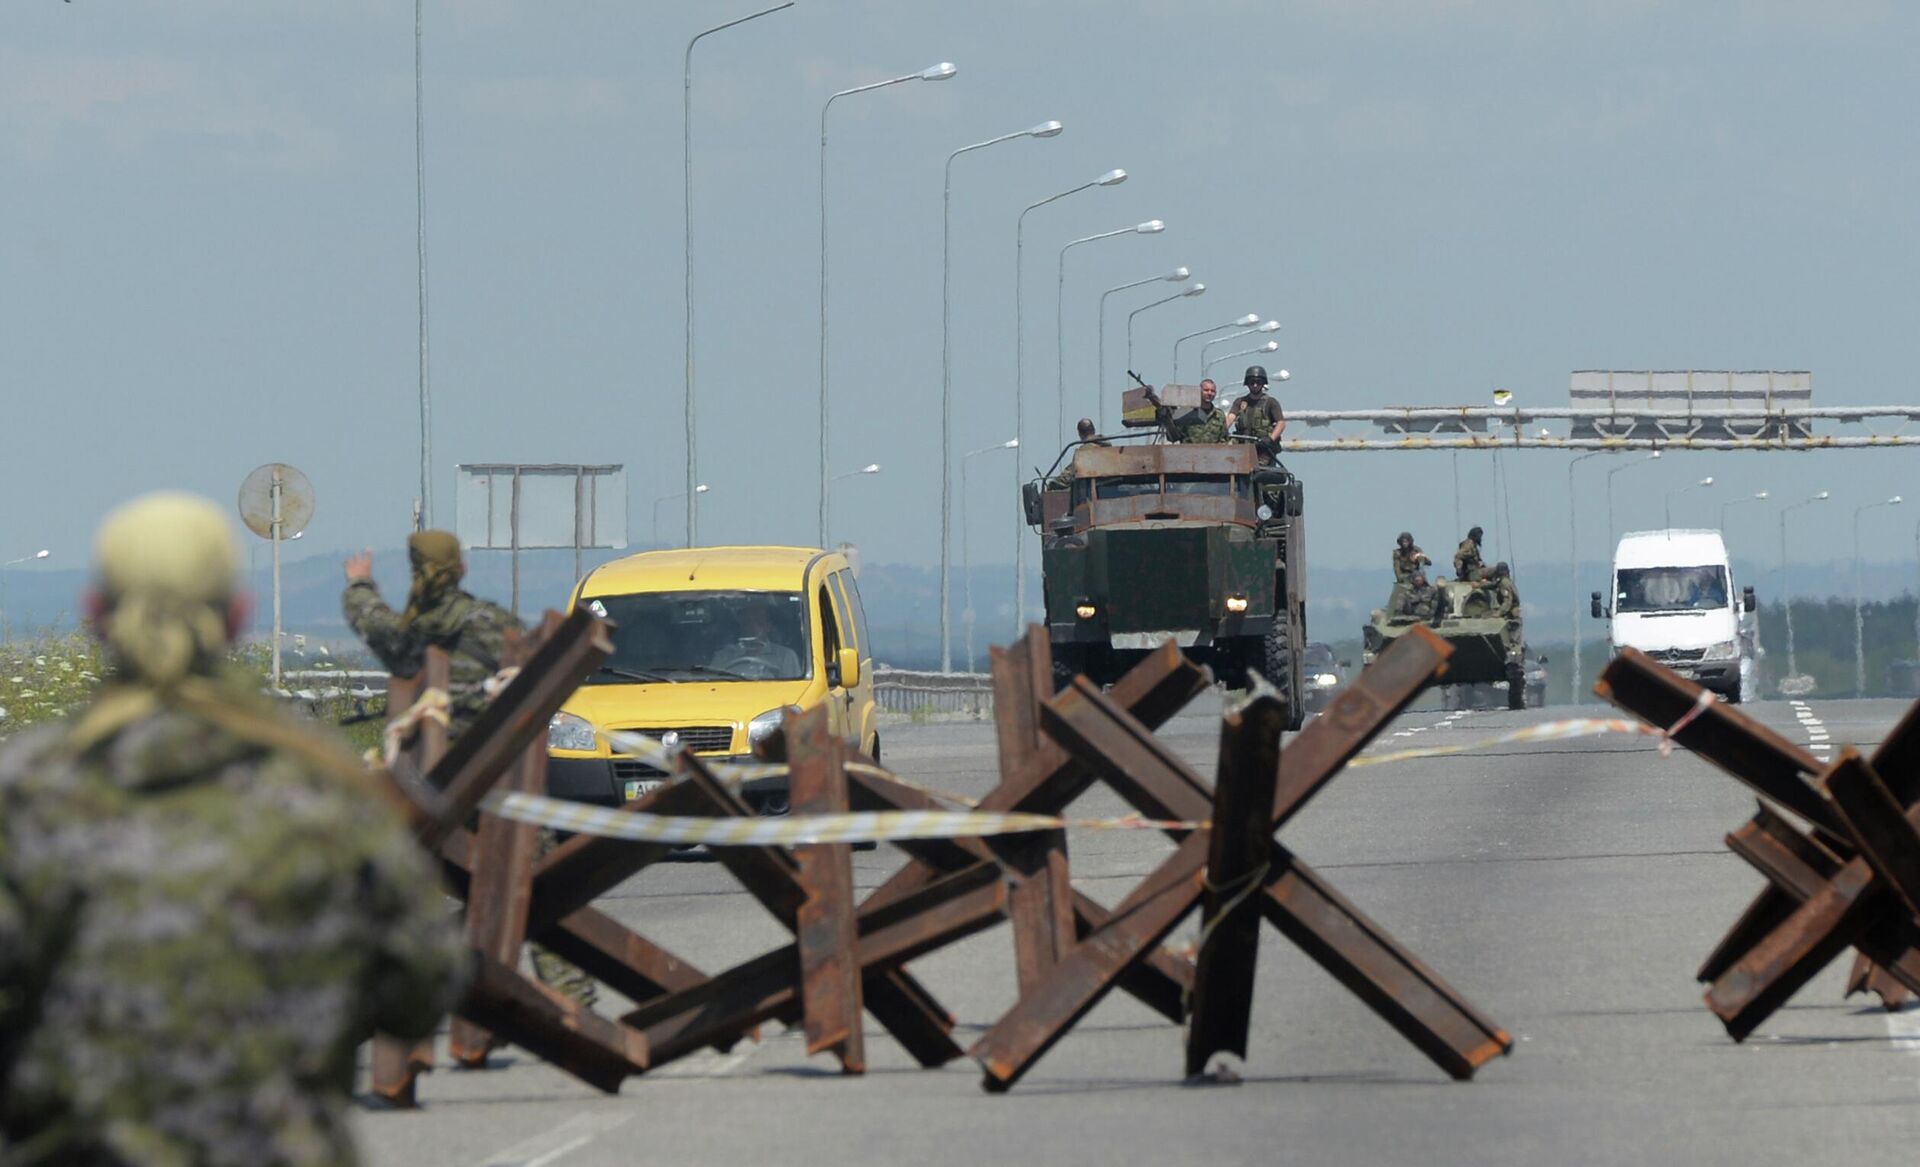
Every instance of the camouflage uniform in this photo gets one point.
(473, 631)
(1208, 425)
(198, 926)
(1405, 563)
(1467, 564)
(1422, 603)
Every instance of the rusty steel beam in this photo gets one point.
(1394, 983)
(1888, 842)
(949, 909)
(1237, 862)
(515, 720)
(1770, 765)
(1041, 904)
(592, 1048)
(823, 924)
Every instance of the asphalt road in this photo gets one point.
(1568, 889)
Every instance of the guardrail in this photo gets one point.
(909, 691)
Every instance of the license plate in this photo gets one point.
(640, 787)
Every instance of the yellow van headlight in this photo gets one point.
(767, 724)
(569, 731)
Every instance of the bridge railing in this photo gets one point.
(910, 691)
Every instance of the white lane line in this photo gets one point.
(708, 1064)
(555, 1144)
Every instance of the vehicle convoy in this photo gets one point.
(1488, 649)
(1674, 599)
(1195, 543)
(711, 647)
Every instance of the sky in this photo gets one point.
(207, 247)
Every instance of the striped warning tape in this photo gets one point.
(1552, 731)
(652, 753)
(792, 830)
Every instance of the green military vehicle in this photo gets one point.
(1487, 649)
(1145, 542)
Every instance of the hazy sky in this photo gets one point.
(207, 243)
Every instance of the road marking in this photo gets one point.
(553, 1145)
(708, 1063)
(1903, 1026)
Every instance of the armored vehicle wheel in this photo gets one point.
(1278, 667)
(1516, 686)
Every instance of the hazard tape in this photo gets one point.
(652, 753)
(1552, 731)
(793, 830)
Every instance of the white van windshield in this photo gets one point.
(1671, 589)
(681, 636)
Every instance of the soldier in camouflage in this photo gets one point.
(204, 906)
(1205, 424)
(473, 632)
(439, 613)
(1407, 559)
(1422, 600)
(1468, 567)
(1259, 416)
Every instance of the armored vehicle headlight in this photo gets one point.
(1263, 512)
(569, 731)
(1085, 609)
(1236, 603)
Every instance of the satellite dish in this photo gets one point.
(296, 500)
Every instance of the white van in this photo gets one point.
(1674, 599)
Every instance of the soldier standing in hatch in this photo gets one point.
(1088, 436)
(1406, 564)
(473, 632)
(1257, 415)
(1205, 424)
(1468, 567)
(205, 906)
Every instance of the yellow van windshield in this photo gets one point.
(691, 636)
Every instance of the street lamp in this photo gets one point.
(1150, 227)
(1111, 178)
(1175, 276)
(1708, 481)
(1573, 566)
(697, 492)
(869, 468)
(1859, 628)
(1269, 326)
(40, 554)
(1195, 290)
(966, 556)
(1786, 594)
(1610, 473)
(686, 182)
(1269, 347)
(1047, 129)
(1757, 496)
(941, 72)
(1173, 373)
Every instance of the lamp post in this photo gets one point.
(1573, 568)
(869, 468)
(1175, 276)
(1269, 347)
(941, 72)
(699, 490)
(1173, 371)
(1111, 178)
(1756, 496)
(1269, 326)
(1046, 129)
(424, 518)
(966, 557)
(1786, 594)
(1859, 627)
(686, 183)
(40, 554)
(1195, 290)
(1707, 481)
(1150, 227)
(1610, 473)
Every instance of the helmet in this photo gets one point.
(1256, 375)
(1405, 537)
(1501, 569)
(1474, 534)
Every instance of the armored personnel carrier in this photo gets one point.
(1487, 649)
(1145, 542)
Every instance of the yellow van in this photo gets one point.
(711, 646)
